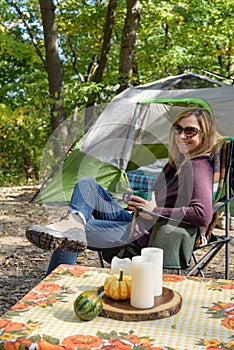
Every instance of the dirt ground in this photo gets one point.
(23, 265)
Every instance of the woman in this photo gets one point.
(182, 191)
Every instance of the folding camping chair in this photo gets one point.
(223, 193)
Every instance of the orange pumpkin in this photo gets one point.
(118, 287)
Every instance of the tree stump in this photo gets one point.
(165, 305)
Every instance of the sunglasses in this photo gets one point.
(189, 131)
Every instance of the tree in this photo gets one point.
(179, 34)
(110, 18)
(52, 62)
(108, 28)
(128, 43)
(99, 44)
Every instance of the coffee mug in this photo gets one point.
(140, 193)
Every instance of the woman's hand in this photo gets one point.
(136, 201)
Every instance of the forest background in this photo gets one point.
(59, 58)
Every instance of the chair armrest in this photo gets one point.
(156, 215)
(221, 203)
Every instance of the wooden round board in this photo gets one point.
(165, 305)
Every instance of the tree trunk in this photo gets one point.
(28, 165)
(52, 63)
(110, 19)
(126, 65)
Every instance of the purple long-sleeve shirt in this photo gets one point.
(185, 196)
(188, 195)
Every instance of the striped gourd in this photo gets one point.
(88, 305)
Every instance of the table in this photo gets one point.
(44, 318)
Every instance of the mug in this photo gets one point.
(140, 193)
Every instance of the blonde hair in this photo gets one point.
(205, 147)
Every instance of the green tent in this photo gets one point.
(132, 132)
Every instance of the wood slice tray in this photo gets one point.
(165, 305)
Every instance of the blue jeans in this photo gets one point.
(106, 221)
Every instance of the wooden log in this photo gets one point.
(165, 305)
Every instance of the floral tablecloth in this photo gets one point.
(44, 318)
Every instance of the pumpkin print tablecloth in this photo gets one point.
(44, 318)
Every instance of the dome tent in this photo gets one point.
(132, 131)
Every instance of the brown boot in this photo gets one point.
(68, 233)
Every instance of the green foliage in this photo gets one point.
(21, 135)
(185, 33)
(172, 34)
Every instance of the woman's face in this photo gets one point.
(186, 143)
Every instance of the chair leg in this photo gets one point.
(204, 261)
(227, 257)
(199, 268)
(100, 258)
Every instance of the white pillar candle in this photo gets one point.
(123, 264)
(142, 284)
(156, 255)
